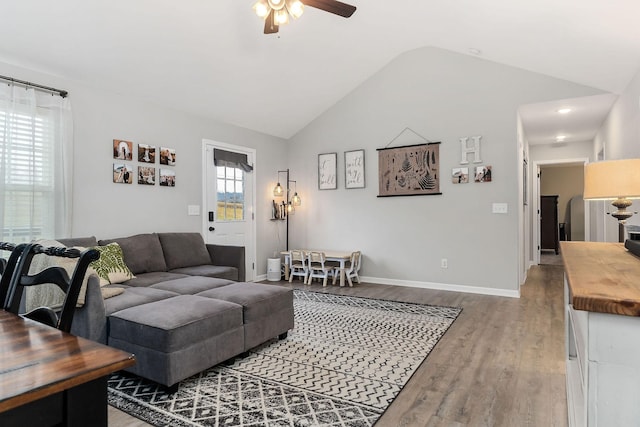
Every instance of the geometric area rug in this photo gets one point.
(344, 362)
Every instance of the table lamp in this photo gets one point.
(617, 180)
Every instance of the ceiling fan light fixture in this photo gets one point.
(276, 12)
(262, 9)
(276, 4)
(281, 17)
(295, 8)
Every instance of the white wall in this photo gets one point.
(105, 209)
(620, 137)
(620, 133)
(443, 96)
(574, 150)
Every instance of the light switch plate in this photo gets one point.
(500, 208)
(193, 210)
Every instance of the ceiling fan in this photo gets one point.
(276, 12)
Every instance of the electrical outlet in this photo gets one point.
(443, 263)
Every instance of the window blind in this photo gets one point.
(28, 162)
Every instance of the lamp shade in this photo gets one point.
(612, 179)
(277, 190)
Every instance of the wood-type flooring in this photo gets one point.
(500, 364)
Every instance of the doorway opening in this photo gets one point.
(560, 211)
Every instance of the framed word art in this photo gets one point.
(327, 165)
(354, 169)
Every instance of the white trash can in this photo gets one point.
(273, 269)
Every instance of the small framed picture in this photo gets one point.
(327, 165)
(122, 150)
(122, 173)
(146, 153)
(167, 156)
(146, 175)
(483, 174)
(167, 178)
(354, 169)
(460, 175)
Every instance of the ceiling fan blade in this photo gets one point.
(332, 6)
(270, 26)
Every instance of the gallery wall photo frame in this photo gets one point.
(167, 156)
(146, 175)
(460, 175)
(354, 169)
(122, 173)
(327, 171)
(167, 177)
(122, 150)
(483, 174)
(146, 153)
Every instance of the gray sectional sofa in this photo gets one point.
(186, 310)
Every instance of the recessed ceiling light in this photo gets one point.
(560, 138)
(564, 110)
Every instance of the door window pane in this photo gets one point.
(230, 195)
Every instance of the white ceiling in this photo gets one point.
(209, 57)
(543, 123)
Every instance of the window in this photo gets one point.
(33, 195)
(230, 193)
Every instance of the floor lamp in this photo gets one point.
(291, 202)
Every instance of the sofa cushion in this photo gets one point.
(85, 242)
(110, 267)
(148, 279)
(183, 250)
(221, 271)
(191, 285)
(132, 297)
(258, 300)
(142, 252)
(175, 323)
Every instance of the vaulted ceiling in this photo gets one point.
(211, 58)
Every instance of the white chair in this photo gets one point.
(352, 267)
(317, 267)
(298, 265)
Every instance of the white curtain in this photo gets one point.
(36, 153)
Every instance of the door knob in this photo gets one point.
(211, 228)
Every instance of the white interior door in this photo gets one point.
(229, 203)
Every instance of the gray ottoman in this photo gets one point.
(267, 309)
(178, 337)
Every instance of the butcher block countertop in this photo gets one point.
(602, 277)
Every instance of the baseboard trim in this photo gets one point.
(443, 287)
(431, 285)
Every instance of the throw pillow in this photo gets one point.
(110, 267)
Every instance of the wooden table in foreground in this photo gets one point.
(338, 256)
(602, 328)
(48, 377)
